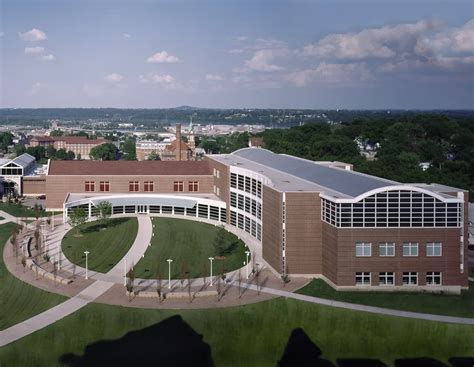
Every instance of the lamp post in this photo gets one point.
(247, 261)
(211, 259)
(86, 253)
(169, 273)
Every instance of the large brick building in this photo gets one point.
(318, 219)
(79, 145)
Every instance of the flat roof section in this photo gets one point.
(128, 168)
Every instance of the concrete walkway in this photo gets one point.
(88, 295)
(54, 314)
(358, 307)
(117, 273)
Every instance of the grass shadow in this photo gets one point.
(171, 342)
(96, 227)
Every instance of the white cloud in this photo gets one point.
(34, 50)
(214, 77)
(126, 36)
(163, 58)
(331, 73)
(113, 78)
(48, 57)
(454, 40)
(157, 78)
(241, 38)
(37, 87)
(33, 35)
(263, 43)
(261, 61)
(383, 42)
(235, 51)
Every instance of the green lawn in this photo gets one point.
(451, 305)
(189, 244)
(252, 335)
(19, 300)
(106, 246)
(22, 211)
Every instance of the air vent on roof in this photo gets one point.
(286, 181)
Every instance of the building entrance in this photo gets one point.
(142, 209)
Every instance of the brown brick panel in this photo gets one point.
(57, 187)
(272, 225)
(303, 233)
(329, 252)
(348, 263)
(34, 185)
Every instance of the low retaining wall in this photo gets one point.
(176, 295)
(46, 274)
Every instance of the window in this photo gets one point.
(233, 180)
(233, 199)
(433, 278)
(149, 186)
(178, 186)
(104, 186)
(363, 249)
(218, 174)
(434, 249)
(89, 186)
(194, 186)
(362, 278)
(387, 278)
(410, 278)
(387, 249)
(410, 249)
(133, 186)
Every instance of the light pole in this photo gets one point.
(247, 267)
(169, 273)
(211, 259)
(87, 253)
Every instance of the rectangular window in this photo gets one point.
(240, 182)
(387, 249)
(233, 199)
(193, 186)
(410, 249)
(363, 249)
(433, 278)
(104, 186)
(387, 278)
(178, 186)
(362, 278)
(410, 278)
(133, 186)
(434, 249)
(233, 180)
(89, 186)
(149, 186)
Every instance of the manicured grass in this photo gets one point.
(22, 211)
(189, 244)
(252, 335)
(18, 300)
(107, 243)
(441, 304)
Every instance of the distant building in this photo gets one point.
(77, 144)
(176, 150)
(257, 142)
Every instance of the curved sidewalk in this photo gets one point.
(117, 273)
(363, 308)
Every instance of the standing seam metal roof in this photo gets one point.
(344, 181)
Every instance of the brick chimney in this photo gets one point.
(178, 142)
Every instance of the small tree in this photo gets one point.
(23, 262)
(77, 217)
(104, 211)
(14, 242)
(130, 282)
(158, 281)
(222, 245)
(239, 281)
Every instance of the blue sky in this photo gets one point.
(256, 54)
